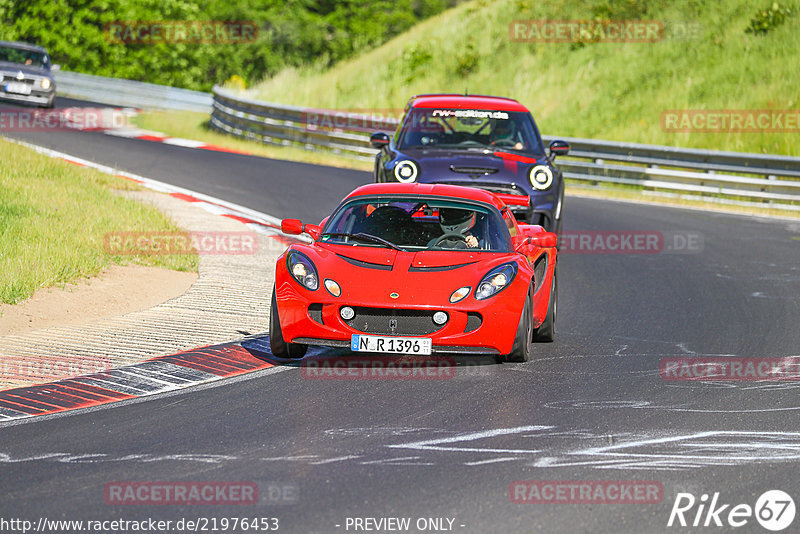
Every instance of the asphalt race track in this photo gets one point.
(590, 406)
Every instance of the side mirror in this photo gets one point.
(55, 67)
(541, 240)
(292, 226)
(559, 148)
(296, 227)
(379, 140)
(544, 240)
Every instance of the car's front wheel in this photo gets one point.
(522, 342)
(279, 346)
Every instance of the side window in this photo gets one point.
(509, 220)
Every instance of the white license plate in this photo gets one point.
(18, 87)
(398, 345)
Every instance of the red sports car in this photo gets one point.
(416, 269)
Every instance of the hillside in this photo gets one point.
(704, 60)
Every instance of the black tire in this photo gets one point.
(279, 346)
(522, 341)
(546, 333)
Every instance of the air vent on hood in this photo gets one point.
(472, 170)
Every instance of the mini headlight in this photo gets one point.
(302, 270)
(405, 171)
(459, 294)
(45, 83)
(332, 287)
(541, 177)
(496, 280)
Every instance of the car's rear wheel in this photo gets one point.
(546, 333)
(522, 342)
(279, 346)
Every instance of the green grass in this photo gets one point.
(194, 125)
(53, 218)
(614, 91)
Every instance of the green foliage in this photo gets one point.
(414, 59)
(467, 61)
(290, 33)
(767, 19)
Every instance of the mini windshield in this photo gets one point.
(469, 128)
(414, 224)
(22, 56)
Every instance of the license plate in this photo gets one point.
(18, 87)
(398, 345)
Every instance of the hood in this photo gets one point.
(467, 166)
(26, 69)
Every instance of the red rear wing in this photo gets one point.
(514, 200)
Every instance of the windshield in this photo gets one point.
(417, 224)
(29, 58)
(466, 128)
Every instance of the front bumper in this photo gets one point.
(40, 98)
(473, 327)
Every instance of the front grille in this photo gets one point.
(474, 321)
(406, 322)
(13, 78)
(315, 312)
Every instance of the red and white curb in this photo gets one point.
(157, 375)
(158, 137)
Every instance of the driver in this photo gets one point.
(504, 134)
(457, 223)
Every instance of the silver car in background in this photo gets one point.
(26, 74)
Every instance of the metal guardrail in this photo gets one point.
(730, 177)
(129, 93)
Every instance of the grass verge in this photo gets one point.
(54, 216)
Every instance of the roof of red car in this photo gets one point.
(439, 190)
(454, 101)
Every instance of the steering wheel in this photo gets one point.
(451, 236)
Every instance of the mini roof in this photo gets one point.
(455, 101)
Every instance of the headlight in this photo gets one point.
(496, 280)
(302, 270)
(45, 83)
(459, 294)
(541, 177)
(405, 171)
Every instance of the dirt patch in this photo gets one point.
(117, 291)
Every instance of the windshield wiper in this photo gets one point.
(365, 237)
